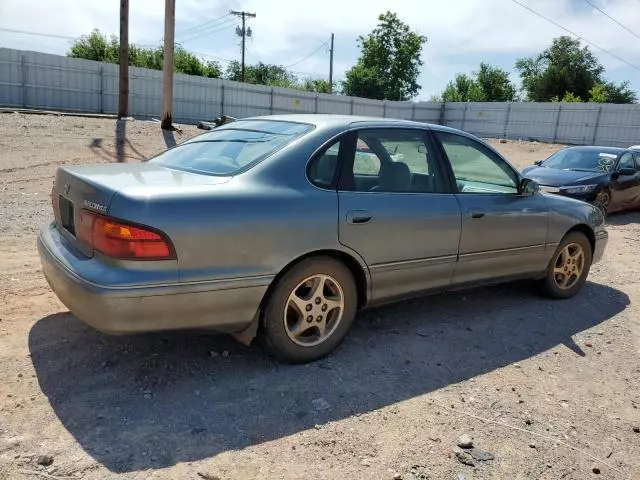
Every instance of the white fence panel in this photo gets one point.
(403, 110)
(576, 123)
(39, 80)
(533, 121)
(367, 107)
(293, 101)
(428, 112)
(619, 125)
(486, 119)
(337, 104)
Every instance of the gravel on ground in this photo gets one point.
(542, 389)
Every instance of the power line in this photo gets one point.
(576, 35)
(205, 32)
(308, 56)
(38, 34)
(62, 37)
(612, 19)
(207, 24)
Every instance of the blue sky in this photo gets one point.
(462, 33)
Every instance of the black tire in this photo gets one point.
(603, 201)
(550, 284)
(273, 333)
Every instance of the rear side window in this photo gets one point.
(322, 169)
(233, 148)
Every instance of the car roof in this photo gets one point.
(596, 148)
(345, 121)
(635, 148)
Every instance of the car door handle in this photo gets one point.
(477, 214)
(357, 217)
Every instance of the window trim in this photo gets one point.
(442, 176)
(342, 151)
(482, 147)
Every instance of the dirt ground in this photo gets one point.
(549, 388)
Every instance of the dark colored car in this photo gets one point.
(608, 177)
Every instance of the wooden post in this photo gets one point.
(123, 99)
(167, 78)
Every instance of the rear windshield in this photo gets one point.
(232, 148)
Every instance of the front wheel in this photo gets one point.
(602, 201)
(568, 269)
(310, 310)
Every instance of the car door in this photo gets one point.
(625, 189)
(397, 211)
(504, 233)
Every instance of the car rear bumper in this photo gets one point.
(226, 306)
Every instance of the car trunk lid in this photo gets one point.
(92, 187)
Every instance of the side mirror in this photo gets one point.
(528, 187)
(538, 162)
(623, 172)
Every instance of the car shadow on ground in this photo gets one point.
(624, 218)
(152, 401)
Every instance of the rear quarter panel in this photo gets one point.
(239, 229)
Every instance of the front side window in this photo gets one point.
(626, 161)
(476, 168)
(394, 160)
(232, 148)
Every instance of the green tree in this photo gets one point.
(262, 74)
(568, 68)
(389, 63)
(315, 85)
(568, 97)
(495, 84)
(609, 92)
(96, 46)
(463, 89)
(489, 84)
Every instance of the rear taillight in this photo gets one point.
(122, 240)
(54, 203)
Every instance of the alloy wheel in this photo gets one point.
(314, 310)
(569, 266)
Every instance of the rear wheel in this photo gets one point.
(309, 312)
(568, 269)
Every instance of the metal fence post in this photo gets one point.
(443, 107)
(222, 98)
(413, 111)
(271, 101)
(384, 108)
(351, 111)
(101, 89)
(316, 104)
(23, 70)
(596, 126)
(464, 115)
(555, 132)
(506, 121)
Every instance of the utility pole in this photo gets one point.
(123, 98)
(167, 79)
(243, 33)
(331, 66)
